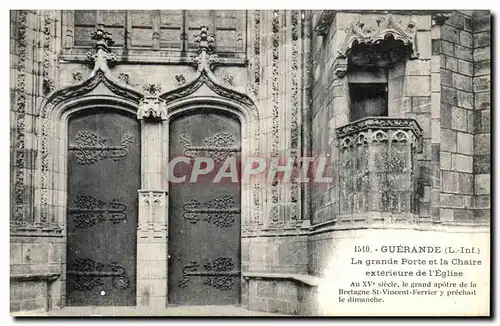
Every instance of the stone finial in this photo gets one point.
(152, 108)
(102, 39)
(204, 57)
(101, 58)
(204, 40)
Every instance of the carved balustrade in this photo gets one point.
(377, 159)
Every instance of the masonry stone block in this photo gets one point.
(482, 145)
(35, 253)
(445, 160)
(466, 39)
(465, 99)
(465, 143)
(482, 54)
(462, 215)
(464, 53)
(452, 201)
(462, 163)
(482, 101)
(447, 48)
(485, 121)
(482, 201)
(466, 182)
(16, 254)
(417, 67)
(482, 83)
(450, 181)
(462, 82)
(481, 24)
(456, 19)
(452, 64)
(450, 33)
(482, 163)
(446, 214)
(482, 68)
(448, 140)
(482, 184)
(459, 119)
(448, 95)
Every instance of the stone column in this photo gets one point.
(153, 217)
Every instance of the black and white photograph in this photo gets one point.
(249, 162)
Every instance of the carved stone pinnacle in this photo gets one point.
(103, 39)
(204, 40)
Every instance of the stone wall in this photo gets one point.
(464, 88)
(482, 114)
(35, 258)
(456, 116)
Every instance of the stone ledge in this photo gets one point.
(306, 279)
(49, 277)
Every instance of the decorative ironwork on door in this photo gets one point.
(91, 148)
(219, 273)
(88, 274)
(89, 211)
(218, 147)
(219, 211)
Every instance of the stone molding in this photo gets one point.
(379, 123)
(388, 28)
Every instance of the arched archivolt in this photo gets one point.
(204, 92)
(102, 89)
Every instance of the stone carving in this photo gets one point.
(100, 74)
(77, 76)
(363, 44)
(47, 84)
(90, 148)
(89, 211)
(204, 58)
(227, 79)
(324, 22)
(152, 89)
(256, 53)
(102, 58)
(20, 108)
(86, 274)
(181, 80)
(439, 18)
(219, 273)
(152, 108)
(275, 85)
(219, 147)
(219, 211)
(294, 131)
(379, 123)
(124, 77)
(377, 168)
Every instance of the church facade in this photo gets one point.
(109, 108)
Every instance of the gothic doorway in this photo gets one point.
(103, 179)
(204, 215)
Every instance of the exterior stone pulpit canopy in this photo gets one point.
(393, 105)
